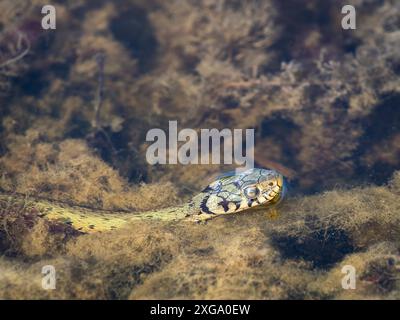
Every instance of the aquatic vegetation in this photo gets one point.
(71, 172)
(324, 105)
(299, 255)
(232, 65)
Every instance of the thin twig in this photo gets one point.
(21, 55)
(100, 59)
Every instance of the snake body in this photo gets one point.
(230, 193)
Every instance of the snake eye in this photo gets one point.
(271, 184)
(251, 192)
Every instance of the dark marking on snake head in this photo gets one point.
(203, 206)
(207, 189)
(237, 204)
(250, 202)
(237, 184)
(225, 204)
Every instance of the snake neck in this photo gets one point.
(85, 219)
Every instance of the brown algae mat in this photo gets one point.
(298, 254)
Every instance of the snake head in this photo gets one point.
(237, 192)
(270, 188)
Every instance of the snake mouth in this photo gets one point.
(282, 192)
(278, 192)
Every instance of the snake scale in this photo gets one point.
(230, 193)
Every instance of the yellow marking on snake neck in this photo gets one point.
(89, 220)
